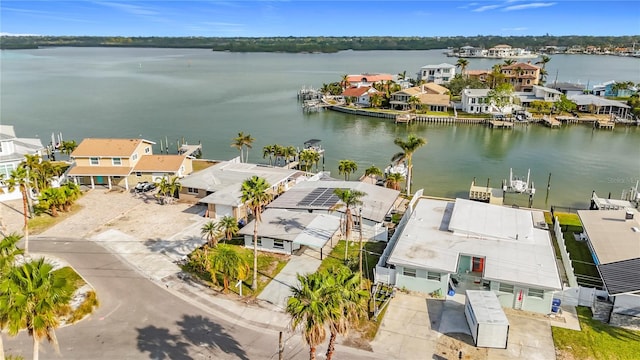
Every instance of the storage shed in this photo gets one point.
(487, 321)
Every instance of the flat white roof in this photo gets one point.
(482, 230)
(612, 236)
(486, 307)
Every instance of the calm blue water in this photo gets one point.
(207, 96)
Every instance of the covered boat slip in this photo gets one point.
(486, 319)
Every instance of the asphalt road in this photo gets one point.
(137, 319)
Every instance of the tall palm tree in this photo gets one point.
(228, 226)
(462, 64)
(227, 261)
(309, 157)
(408, 147)
(255, 194)
(238, 143)
(393, 181)
(347, 302)
(348, 199)
(376, 100)
(72, 193)
(210, 232)
(268, 150)
(31, 296)
(347, 167)
(402, 75)
(414, 101)
(54, 199)
(344, 83)
(67, 147)
(18, 179)
(289, 154)
(509, 62)
(544, 59)
(168, 189)
(309, 309)
(247, 142)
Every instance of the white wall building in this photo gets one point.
(439, 74)
(12, 152)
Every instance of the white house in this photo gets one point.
(12, 152)
(361, 95)
(613, 237)
(460, 245)
(538, 93)
(317, 197)
(285, 231)
(439, 74)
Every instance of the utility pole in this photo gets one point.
(280, 348)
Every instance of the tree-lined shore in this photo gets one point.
(320, 44)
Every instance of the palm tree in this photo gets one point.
(255, 195)
(345, 82)
(348, 198)
(347, 167)
(18, 178)
(247, 141)
(67, 147)
(309, 309)
(230, 263)
(544, 59)
(289, 154)
(393, 181)
(373, 171)
(376, 100)
(8, 253)
(268, 150)
(238, 143)
(72, 193)
(210, 232)
(309, 157)
(462, 64)
(402, 75)
(509, 62)
(408, 147)
(347, 302)
(228, 226)
(31, 296)
(53, 199)
(168, 189)
(414, 101)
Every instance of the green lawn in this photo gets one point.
(74, 280)
(202, 164)
(597, 340)
(372, 251)
(568, 219)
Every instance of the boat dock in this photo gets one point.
(191, 150)
(499, 124)
(552, 123)
(605, 124)
(486, 194)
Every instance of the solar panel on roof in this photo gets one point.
(320, 197)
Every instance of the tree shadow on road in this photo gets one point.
(203, 332)
(161, 345)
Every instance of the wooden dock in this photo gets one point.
(552, 123)
(499, 124)
(190, 150)
(405, 118)
(605, 124)
(486, 194)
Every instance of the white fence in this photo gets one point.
(580, 296)
(566, 259)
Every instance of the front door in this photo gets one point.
(477, 264)
(99, 180)
(518, 298)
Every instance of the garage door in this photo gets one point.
(223, 210)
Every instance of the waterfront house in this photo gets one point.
(480, 75)
(569, 89)
(521, 75)
(219, 186)
(123, 163)
(431, 96)
(471, 52)
(367, 79)
(317, 197)
(443, 245)
(474, 101)
(613, 237)
(439, 74)
(538, 93)
(598, 105)
(12, 152)
(359, 95)
(285, 231)
(606, 89)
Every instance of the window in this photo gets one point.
(507, 288)
(138, 173)
(147, 150)
(94, 161)
(192, 190)
(259, 242)
(433, 276)
(278, 244)
(409, 272)
(116, 161)
(536, 293)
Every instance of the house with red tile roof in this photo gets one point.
(433, 97)
(359, 95)
(521, 75)
(368, 79)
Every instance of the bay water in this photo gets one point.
(206, 96)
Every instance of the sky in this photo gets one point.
(245, 18)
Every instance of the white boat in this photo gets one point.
(518, 185)
(398, 168)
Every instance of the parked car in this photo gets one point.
(144, 186)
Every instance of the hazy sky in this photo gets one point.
(320, 18)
